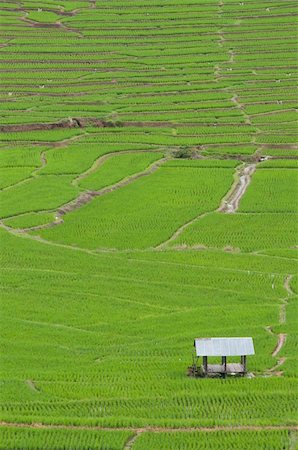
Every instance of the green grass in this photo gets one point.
(103, 334)
(34, 439)
(37, 136)
(246, 232)
(20, 157)
(279, 163)
(43, 16)
(30, 220)
(75, 321)
(146, 212)
(271, 190)
(13, 175)
(220, 440)
(37, 194)
(76, 158)
(118, 167)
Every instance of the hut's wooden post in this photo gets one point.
(205, 364)
(224, 362)
(243, 362)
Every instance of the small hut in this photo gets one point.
(222, 347)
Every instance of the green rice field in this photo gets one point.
(148, 197)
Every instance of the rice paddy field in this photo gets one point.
(148, 196)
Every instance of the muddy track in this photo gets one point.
(56, 222)
(273, 371)
(240, 106)
(69, 123)
(283, 306)
(280, 343)
(80, 123)
(180, 230)
(130, 442)
(31, 384)
(153, 429)
(271, 113)
(33, 174)
(57, 24)
(59, 12)
(97, 123)
(279, 146)
(86, 197)
(103, 158)
(283, 312)
(231, 203)
(287, 285)
(281, 336)
(229, 206)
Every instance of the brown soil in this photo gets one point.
(231, 203)
(281, 341)
(270, 113)
(240, 106)
(85, 122)
(274, 371)
(282, 312)
(59, 12)
(68, 123)
(34, 24)
(287, 285)
(132, 440)
(41, 227)
(279, 146)
(32, 386)
(102, 159)
(57, 24)
(179, 231)
(86, 197)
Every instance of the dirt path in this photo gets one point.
(68, 123)
(180, 230)
(287, 285)
(103, 158)
(283, 306)
(281, 336)
(281, 341)
(44, 226)
(228, 205)
(58, 24)
(129, 444)
(278, 146)
(32, 385)
(231, 203)
(283, 312)
(271, 113)
(86, 197)
(240, 106)
(96, 123)
(152, 429)
(33, 174)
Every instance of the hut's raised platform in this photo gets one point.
(228, 369)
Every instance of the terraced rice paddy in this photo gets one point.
(148, 196)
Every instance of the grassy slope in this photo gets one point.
(106, 338)
(79, 320)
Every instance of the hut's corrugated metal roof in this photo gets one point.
(224, 346)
